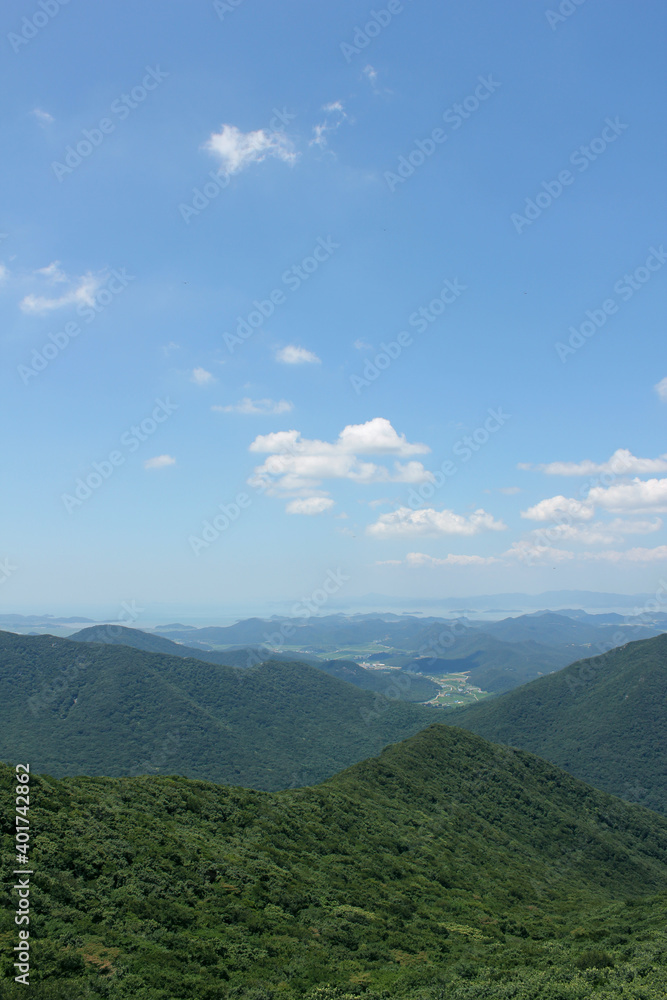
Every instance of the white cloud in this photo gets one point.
(171, 346)
(296, 464)
(661, 389)
(266, 407)
(201, 377)
(557, 507)
(237, 150)
(4, 272)
(309, 505)
(82, 290)
(427, 521)
(420, 559)
(293, 355)
(621, 463)
(159, 462)
(638, 495)
(43, 117)
(361, 345)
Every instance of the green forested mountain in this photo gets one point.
(404, 687)
(447, 867)
(69, 708)
(602, 719)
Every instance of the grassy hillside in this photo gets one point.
(446, 867)
(603, 720)
(70, 708)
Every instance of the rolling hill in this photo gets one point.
(602, 719)
(73, 708)
(446, 866)
(404, 687)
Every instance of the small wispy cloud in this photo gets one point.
(361, 345)
(371, 75)
(251, 407)
(82, 290)
(661, 389)
(335, 115)
(201, 377)
(53, 272)
(159, 462)
(43, 117)
(309, 505)
(293, 355)
(238, 150)
(168, 348)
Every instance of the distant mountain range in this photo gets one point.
(497, 655)
(603, 719)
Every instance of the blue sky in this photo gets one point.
(267, 266)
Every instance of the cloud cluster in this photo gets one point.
(405, 521)
(636, 496)
(298, 466)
